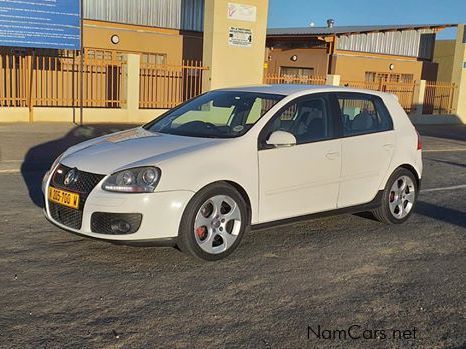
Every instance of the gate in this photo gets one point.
(403, 90)
(166, 86)
(46, 78)
(438, 97)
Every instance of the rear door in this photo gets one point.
(368, 144)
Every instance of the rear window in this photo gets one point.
(362, 114)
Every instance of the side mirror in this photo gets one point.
(281, 139)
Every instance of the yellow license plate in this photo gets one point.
(64, 198)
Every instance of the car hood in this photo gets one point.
(135, 147)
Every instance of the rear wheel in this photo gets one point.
(213, 222)
(399, 198)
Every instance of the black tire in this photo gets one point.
(187, 241)
(383, 213)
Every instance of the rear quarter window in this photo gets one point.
(363, 114)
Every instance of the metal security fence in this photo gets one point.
(166, 86)
(438, 97)
(38, 79)
(366, 85)
(403, 90)
(57, 81)
(294, 79)
(14, 79)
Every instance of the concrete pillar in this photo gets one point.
(333, 80)
(418, 97)
(459, 74)
(132, 84)
(234, 42)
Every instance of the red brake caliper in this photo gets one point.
(200, 232)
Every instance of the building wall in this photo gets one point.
(307, 58)
(175, 14)
(351, 66)
(176, 45)
(451, 58)
(459, 72)
(410, 43)
(444, 55)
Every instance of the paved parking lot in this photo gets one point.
(59, 290)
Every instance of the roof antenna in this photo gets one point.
(330, 23)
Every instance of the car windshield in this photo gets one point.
(216, 114)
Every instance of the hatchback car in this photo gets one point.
(206, 171)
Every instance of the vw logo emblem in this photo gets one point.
(71, 177)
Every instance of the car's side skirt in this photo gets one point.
(352, 209)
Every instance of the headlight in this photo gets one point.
(47, 174)
(134, 180)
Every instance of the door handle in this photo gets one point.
(388, 147)
(332, 155)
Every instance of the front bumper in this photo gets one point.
(161, 214)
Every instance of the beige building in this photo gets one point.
(450, 55)
(157, 45)
(393, 53)
(169, 30)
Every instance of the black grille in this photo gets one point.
(67, 216)
(101, 222)
(83, 185)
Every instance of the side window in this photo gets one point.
(307, 119)
(259, 108)
(361, 114)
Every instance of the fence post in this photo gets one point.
(418, 97)
(333, 80)
(133, 63)
(29, 86)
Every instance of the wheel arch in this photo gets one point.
(406, 166)
(411, 169)
(245, 196)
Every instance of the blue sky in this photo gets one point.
(300, 13)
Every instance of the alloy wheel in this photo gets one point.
(402, 196)
(217, 224)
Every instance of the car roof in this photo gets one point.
(290, 89)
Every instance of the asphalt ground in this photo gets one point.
(345, 275)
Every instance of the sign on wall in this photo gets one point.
(240, 37)
(242, 12)
(40, 23)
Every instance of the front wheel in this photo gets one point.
(213, 223)
(398, 199)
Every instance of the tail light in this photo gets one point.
(419, 141)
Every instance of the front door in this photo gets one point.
(304, 178)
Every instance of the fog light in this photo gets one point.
(120, 227)
(115, 223)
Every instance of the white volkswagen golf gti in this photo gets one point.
(206, 171)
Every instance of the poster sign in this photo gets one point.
(40, 23)
(240, 37)
(242, 12)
